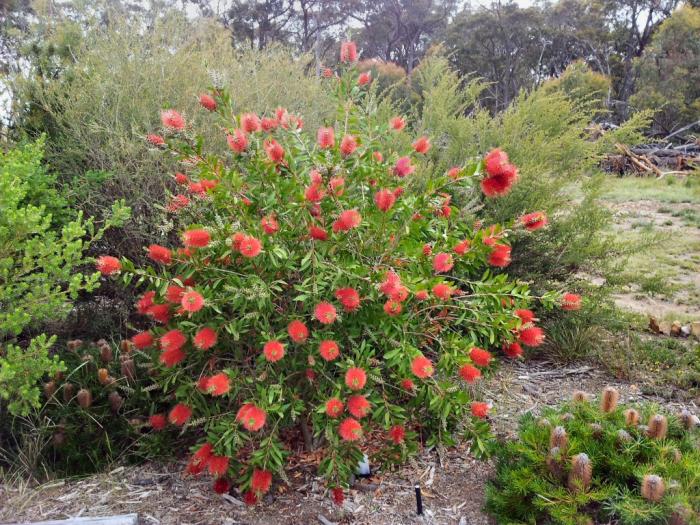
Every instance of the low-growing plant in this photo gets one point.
(590, 461)
(327, 292)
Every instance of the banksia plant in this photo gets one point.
(580, 474)
(559, 439)
(609, 399)
(657, 427)
(631, 417)
(653, 488)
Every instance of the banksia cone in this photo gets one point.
(597, 430)
(623, 436)
(555, 463)
(74, 344)
(653, 488)
(688, 420)
(49, 389)
(608, 402)
(128, 369)
(68, 392)
(115, 401)
(580, 474)
(59, 376)
(102, 375)
(558, 439)
(106, 353)
(631, 417)
(658, 426)
(580, 397)
(126, 346)
(84, 398)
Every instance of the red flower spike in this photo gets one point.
(142, 340)
(469, 373)
(349, 298)
(422, 367)
(108, 265)
(222, 486)
(513, 350)
(207, 102)
(157, 422)
(180, 414)
(480, 410)
(218, 384)
(350, 430)
(480, 357)
(526, 316)
(250, 247)
(260, 481)
(355, 378)
(531, 336)
(534, 221)
(348, 52)
(397, 123)
(334, 407)
(273, 351)
(329, 350)
(384, 199)
(192, 301)
(422, 145)
(325, 138)
(500, 256)
(442, 262)
(205, 338)
(238, 141)
(403, 167)
(251, 417)
(160, 254)
(325, 313)
(298, 331)
(397, 434)
(172, 120)
(197, 238)
(571, 301)
(364, 78)
(358, 406)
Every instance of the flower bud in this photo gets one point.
(106, 354)
(688, 420)
(68, 392)
(102, 375)
(125, 346)
(115, 401)
(555, 463)
(608, 402)
(657, 427)
(580, 397)
(84, 398)
(631, 417)
(128, 369)
(623, 436)
(597, 430)
(580, 474)
(653, 488)
(49, 389)
(558, 439)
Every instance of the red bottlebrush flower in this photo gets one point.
(427, 250)
(480, 357)
(203, 384)
(513, 350)
(397, 434)
(238, 141)
(157, 422)
(171, 119)
(108, 265)
(159, 312)
(177, 203)
(275, 152)
(218, 384)
(205, 338)
(358, 406)
(218, 465)
(403, 167)
(181, 178)
(377, 155)
(470, 373)
(400, 294)
(251, 417)
(392, 308)
(443, 291)
(337, 186)
(269, 124)
(325, 138)
(408, 384)
(422, 145)
(180, 414)
(298, 331)
(314, 193)
(325, 313)
(160, 254)
(249, 498)
(173, 340)
(317, 233)
(397, 123)
(534, 221)
(480, 410)
(422, 295)
(250, 247)
(273, 351)
(192, 301)
(571, 301)
(269, 225)
(327, 73)
(500, 256)
(348, 52)
(462, 247)
(196, 238)
(498, 185)
(349, 298)
(142, 340)
(495, 160)
(334, 407)
(442, 262)
(384, 199)
(329, 350)
(197, 188)
(310, 374)
(156, 140)
(531, 336)
(207, 102)
(222, 486)
(337, 495)
(195, 468)
(348, 145)
(281, 113)
(203, 454)
(172, 357)
(350, 429)
(260, 481)
(364, 78)
(526, 316)
(422, 367)
(454, 172)
(391, 283)
(145, 302)
(250, 122)
(355, 378)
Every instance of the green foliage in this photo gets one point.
(537, 481)
(669, 71)
(20, 372)
(585, 87)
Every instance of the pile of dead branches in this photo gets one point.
(653, 159)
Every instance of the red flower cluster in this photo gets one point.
(500, 174)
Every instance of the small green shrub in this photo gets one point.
(586, 462)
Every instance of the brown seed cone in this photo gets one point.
(59, 376)
(84, 397)
(631, 417)
(580, 474)
(115, 401)
(129, 369)
(555, 464)
(106, 354)
(653, 488)
(68, 392)
(658, 427)
(102, 375)
(126, 346)
(558, 439)
(580, 397)
(58, 439)
(608, 401)
(49, 389)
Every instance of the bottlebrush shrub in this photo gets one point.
(593, 461)
(326, 290)
(98, 398)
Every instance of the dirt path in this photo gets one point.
(452, 481)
